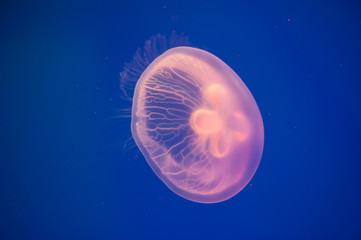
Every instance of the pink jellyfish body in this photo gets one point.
(197, 125)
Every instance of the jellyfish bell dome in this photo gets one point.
(197, 125)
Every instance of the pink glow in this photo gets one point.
(197, 125)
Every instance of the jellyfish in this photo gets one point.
(195, 122)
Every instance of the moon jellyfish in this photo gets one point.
(197, 125)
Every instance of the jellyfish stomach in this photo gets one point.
(218, 123)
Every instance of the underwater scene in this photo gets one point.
(180, 120)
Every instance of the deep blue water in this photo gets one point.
(63, 171)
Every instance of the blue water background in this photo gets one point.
(64, 174)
